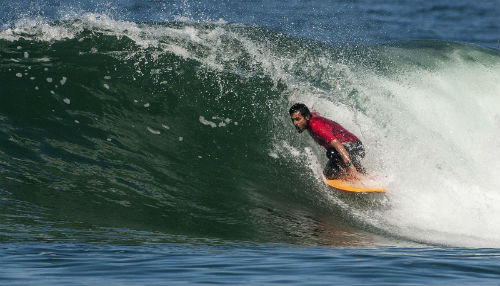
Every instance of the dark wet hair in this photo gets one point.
(302, 108)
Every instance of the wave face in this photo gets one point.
(183, 129)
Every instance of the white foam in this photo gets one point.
(153, 131)
(206, 122)
(438, 140)
(432, 138)
(223, 122)
(273, 155)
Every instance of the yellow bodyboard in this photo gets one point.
(353, 186)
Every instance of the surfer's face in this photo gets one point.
(299, 121)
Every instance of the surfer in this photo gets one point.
(344, 149)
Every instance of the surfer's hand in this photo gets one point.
(352, 173)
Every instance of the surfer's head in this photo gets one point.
(300, 115)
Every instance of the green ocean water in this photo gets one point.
(102, 132)
(182, 129)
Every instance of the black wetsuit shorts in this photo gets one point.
(356, 152)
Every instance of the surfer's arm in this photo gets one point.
(351, 170)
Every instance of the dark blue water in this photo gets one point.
(147, 142)
(181, 264)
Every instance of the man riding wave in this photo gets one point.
(344, 149)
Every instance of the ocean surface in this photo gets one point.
(149, 142)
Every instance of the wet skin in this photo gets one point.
(300, 122)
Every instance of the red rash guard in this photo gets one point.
(323, 131)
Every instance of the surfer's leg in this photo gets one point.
(359, 167)
(332, 168)
(356, 153)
